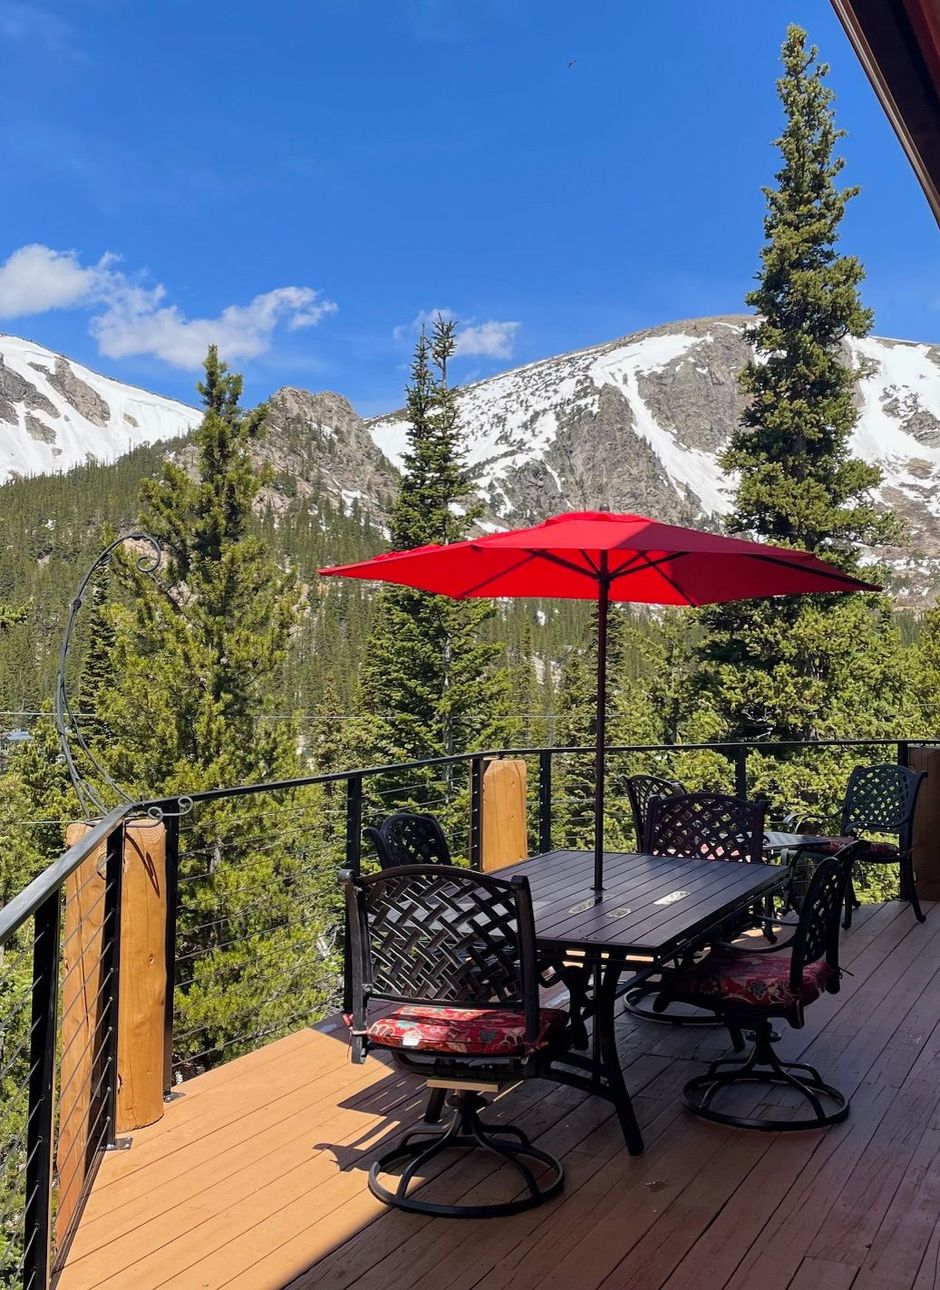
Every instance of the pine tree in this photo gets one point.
(431, 684)
(790, 667)
(804, 667)
(198, 661)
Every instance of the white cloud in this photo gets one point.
(36, 279)
(135, 323)
(423, 318)
(492, 339)
(133, 319)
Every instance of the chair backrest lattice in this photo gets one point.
(817, 934)
(708, 826)
(409, 838)
(641, 789)
(881, 799)
(438, 935)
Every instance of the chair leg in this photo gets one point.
(435, 1106)
(763, 1066)
(466, 1132)
(851, 902)
(909, 887)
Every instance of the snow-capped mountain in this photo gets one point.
(634, 424)
(55, 413)
(637, 424)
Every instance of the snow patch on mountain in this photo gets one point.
(55, 414)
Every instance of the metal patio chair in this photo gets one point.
(409, 838)
(641, 789)
(454, 952)
(748, 988)
(878, 799)
(706, 826)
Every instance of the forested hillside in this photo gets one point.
(52, 526)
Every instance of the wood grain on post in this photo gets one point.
(143, 978)
(84, 999)
(927, 823)
(505, 838)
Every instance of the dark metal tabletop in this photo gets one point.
(777, 841)
(650, 904)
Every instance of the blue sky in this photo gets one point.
(303, 179)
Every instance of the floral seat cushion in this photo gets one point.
(757, 980)
(471, 1031)
(876, 850)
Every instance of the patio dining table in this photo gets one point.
(652, 909)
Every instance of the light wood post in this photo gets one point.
(504, 813)
(927, 823)
(143, 985)
(143, 978)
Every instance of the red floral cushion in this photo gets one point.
(759, 980)
(475, 1031)
(829, 846)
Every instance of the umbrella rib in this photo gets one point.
(471, 591)
(835, 574)
(567, 564)
(647, 564)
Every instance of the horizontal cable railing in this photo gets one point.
(59, 980)
(251, 935)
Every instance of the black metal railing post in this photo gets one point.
(111, 966)
(354, 823)
(476, 813)
(904, 752)
(171, 823)
(545, 800)
(40, 1123)
(739, 757)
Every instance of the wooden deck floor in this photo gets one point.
(255, 1179)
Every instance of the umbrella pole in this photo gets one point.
(599, 769)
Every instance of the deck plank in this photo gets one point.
(255, 1179)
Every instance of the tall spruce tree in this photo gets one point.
(195, 703)
(803, 667)
(431, 685)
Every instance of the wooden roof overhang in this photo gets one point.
(898, 44)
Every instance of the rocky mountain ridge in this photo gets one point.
(634, 424)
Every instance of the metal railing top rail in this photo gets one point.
(14, 914)
(23, 905)
(339, 776)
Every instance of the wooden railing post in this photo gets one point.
(925, 833)
(505, 836)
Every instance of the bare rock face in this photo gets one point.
(79, 394)
(38, 430)
(695, 397)
(14, 389)
(318, 444)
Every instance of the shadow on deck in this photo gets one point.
(255, 1179)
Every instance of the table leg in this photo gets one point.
(607, 1059)
(599, 1073)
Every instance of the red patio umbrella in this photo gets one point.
(598, 555)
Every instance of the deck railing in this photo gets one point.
(248, 898)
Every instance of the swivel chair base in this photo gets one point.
(466, 1132)
(763, 1066)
